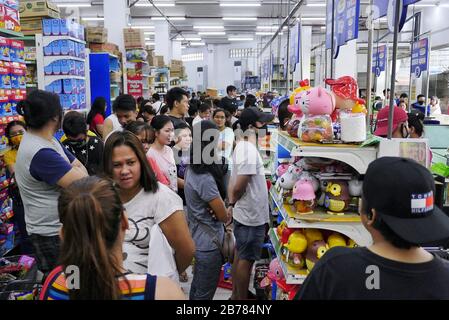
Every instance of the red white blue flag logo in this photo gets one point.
(422, 203)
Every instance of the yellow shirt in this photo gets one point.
(10, 157)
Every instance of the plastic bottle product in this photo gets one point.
(55, 27)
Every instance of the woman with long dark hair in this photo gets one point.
(96, 116)
(94, 224)
(147, 203)
(204, 191)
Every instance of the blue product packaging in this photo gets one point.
(57, 67)
(56, 48)
(7, 109)
(57, 86)
(4, 49)
(64, 27)
(48, 70)
(65, 50)
(49, 88)
(64, 101)
(55, 27)
(22, 82)
(69, 86)
(14, 108)
(65, 69)
(72, 29)
(77, 49)
(81, 69)
(72, 67)
(82, 98)
(81, 32)
(14, 81)
(72, 48)
(46, 27)
(48, 50)
(82, 49)
(73, 101)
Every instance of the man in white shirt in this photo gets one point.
(157, 104)
(204, 113)
(125, 111)
(248, 198)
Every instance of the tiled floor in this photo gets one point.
(220, 294)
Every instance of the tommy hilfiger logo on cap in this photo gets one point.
(422, 203)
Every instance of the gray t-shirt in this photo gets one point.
(199, 190)
(252, 208)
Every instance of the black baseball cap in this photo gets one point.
(403, 193)
(251, 115)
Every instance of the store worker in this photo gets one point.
(178, 104)
(14, 131)
(398, 211)
(147, 203)
(96, 115)
(88, 150)
(203, 114)
(400, 125)
(248, 196)
(94, 227)
(230, 102)
(205, 193)
(125, 111)
(43, 167)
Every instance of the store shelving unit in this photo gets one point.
(45, 81)
(106, 84)
(162, 81)
(138, 76)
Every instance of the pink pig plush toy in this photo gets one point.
(316, 101)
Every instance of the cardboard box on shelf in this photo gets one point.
(38, 8)
(151, 58)
(212, 92)
(176, 66)
(96, 34)
(31, 26)
(159, 61)
(104, 47)
(134, 38)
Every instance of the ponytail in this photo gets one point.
(91, 212)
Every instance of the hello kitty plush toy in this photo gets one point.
(285, 184)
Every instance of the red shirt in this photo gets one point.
(97, 120)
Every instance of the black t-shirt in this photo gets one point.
(358, 274)
(177, 121)
(90, 154)
(229, 104)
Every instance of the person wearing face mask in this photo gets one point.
(400, 123)
(247, 187)
(88, 150)
(160, 150)
(420, 105)
(43, 167)
(14, 132)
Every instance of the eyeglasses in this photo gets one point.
(18, 133)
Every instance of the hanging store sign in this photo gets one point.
(420, 57)
(345, 23)
(379, 59)
(384, 8)
(295, 45)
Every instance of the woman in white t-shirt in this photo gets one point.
(225, 140)
(147, 203)
(160, 150)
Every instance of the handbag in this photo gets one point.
(226, 248)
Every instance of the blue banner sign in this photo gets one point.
(420, 57)
(379, 60)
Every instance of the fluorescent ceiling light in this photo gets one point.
(197, 44)
(93, 18)
(316, 4)
(245, 4)
(240, 19)
(264, 33)
(150, 32)
(157, 4)
(169, 18)
(188, 39)
(240, 39)
(209, 27)
(142, 27)
(424, 5)
(73, 5)
(212, 33)
(270, 28)
(313, 19)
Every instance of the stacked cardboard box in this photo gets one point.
(151, 58)
(32, 12)
(160, 63)
(105, 47)
(134, 38)
(96, 34)
(176, 68)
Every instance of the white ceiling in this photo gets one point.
(210, 13)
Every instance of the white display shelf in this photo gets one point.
(114, 85)
(356, 157)
(31, 85)
(50, 79)
(50, 59)
(49, 39)
(291, 275)
(351, 228)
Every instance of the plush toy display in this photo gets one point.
(352, 244)
(355, 188)
(317, 129)
(336, 240)
(337, 196)
(296, 245)
(346, 92)
(275, 273)
(304, 196)
(285, 184)
(315, 101)
(283, 167)
(315, 251)
(313, 235)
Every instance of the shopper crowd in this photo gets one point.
(134, 198)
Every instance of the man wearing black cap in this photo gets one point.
(398, 211)
(248, 196)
